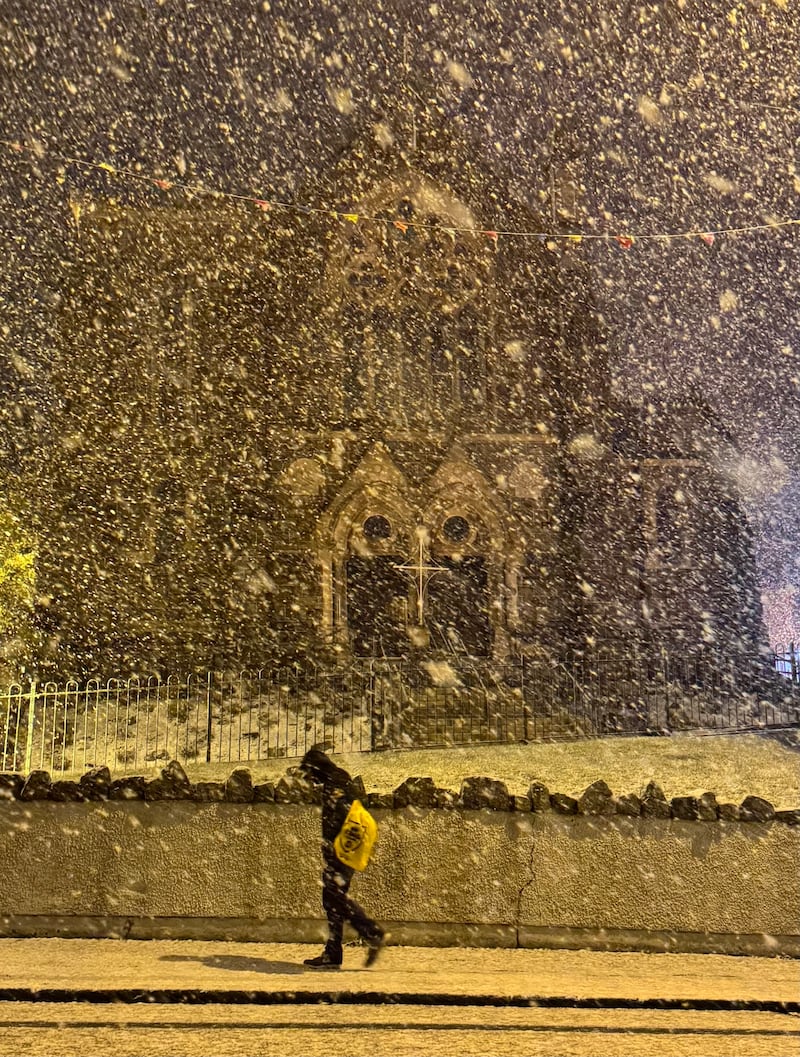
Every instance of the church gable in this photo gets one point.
(375, 489)
(463, 509)
(396, 414)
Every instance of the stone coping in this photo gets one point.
(476, 794)
(437, 934)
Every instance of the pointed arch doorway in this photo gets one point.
(376, 599)
(458, 606)
(405, 572)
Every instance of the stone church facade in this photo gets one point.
(309, 436)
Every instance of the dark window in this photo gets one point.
(458, 607)
(442, 369)
(377, 602)
(457, 529)
(377, 527)
(469, 354)
(673, 525)
(354, 378)
(386, 391)
(170, 522)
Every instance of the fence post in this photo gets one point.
(793, 652)
(371, 705)
(665, 673)
(522, 695)
(29, 735)
(209, 681)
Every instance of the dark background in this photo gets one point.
(672, 117)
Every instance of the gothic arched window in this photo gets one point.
(674, 526)
(413, 319)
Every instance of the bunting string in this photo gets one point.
(624, 239)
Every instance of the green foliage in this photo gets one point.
(17, 584)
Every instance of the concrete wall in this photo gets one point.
(251, 871)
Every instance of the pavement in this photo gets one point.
(203, 972)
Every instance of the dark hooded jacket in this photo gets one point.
(338, 791)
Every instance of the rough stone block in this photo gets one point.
(629, 804)
(597, 799)
(131, 787)
(96, 784)
(415, 792)
(239, 786)
(565, 805)
(176, 775)
(385, 800)
(173, 784)
(164, 789)
(728, 812)
(209, 791)
(756, 809)
(446, 799)
(707, 807)
(293, 790)
(65, 790)
(36, 787)
(685, 807)
(521, 803)
(10, 786)
(790, 817)
(360, 789)
(479, 794)
(654, 803)
(264, 793)
(539, 796)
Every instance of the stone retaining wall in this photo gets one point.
(164, 857)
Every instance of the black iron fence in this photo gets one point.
(131, 724)
(786, 661)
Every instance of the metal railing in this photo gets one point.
(139, 723)
(786, 660)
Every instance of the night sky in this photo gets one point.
(673, 117)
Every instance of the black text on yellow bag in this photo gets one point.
(356, 838)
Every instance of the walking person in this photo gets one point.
(338, 795)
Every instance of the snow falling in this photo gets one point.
(179, 182)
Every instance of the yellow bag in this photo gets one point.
(357, 837)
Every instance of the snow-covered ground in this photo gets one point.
(732, 766)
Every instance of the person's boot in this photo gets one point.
(375, 945)
(324, 961)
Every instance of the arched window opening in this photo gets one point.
(673, 525)
(413, 331)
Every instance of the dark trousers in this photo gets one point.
(339, 906)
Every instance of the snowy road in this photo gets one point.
(83, 1030)
(213, 999)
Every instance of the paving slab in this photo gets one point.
(201, 968)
